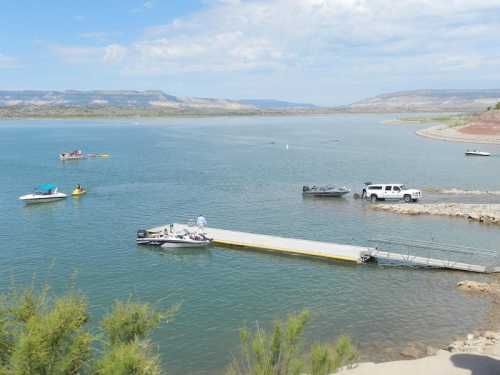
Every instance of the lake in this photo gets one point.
(239, 174)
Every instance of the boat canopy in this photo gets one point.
(46, 188)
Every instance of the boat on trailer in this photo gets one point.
(477, 153)
(324, 191)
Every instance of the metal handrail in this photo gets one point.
(453, 248)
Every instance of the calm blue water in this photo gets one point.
(238, 173)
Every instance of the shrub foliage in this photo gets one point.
(281, 352)
(44, 336)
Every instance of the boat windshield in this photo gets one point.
(45, 189)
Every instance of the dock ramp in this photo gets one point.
(406, 252)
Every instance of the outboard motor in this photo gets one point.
(305, 188)
(141, 233)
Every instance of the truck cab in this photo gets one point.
(376, 192)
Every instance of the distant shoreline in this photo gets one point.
(14, 113)
(446, 133)
(450, 128)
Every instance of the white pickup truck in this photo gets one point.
(376, 192)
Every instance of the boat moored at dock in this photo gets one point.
(167, 238)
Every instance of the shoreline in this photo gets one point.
(451, 134)
(475, 353)
(480, 212)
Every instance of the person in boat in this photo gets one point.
(78, 189)
(201, 222)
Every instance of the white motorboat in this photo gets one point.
(42, 194)
(477, 153)
(73, 155)
(173, 240)
(183, 241)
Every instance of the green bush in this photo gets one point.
(132, 358)
(497, 106)
(281, 352)
(43, 336)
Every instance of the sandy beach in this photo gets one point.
(443, 363)
(482, 129)
(458, 134)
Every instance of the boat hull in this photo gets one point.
(182, 244)
(168, 242)
(335, 194)
(477, 154)
(32, 199)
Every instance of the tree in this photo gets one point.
(44, 336)
(280, 353)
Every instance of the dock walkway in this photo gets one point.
(282, 245)
(325, 250)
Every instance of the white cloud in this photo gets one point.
(77, 54)
(311, 39)
(7, 62)
(242, 35)
(114, 53)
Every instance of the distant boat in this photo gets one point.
(73, 155)
(477, 153)
(42, 194)
(324, 191)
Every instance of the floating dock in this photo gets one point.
(324, 250)
(282, 245)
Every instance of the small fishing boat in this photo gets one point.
(42, 194)
(477, 153)
(73, 155)
(186, 240)
(324, 191)
(103, 155)
(167, 239)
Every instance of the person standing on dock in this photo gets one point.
(201, 222)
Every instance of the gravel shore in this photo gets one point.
(476, 354)
(484, 213)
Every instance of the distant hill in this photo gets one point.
(275, 104)
(134, 100)
(429, 100)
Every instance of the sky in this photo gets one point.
(326, 52)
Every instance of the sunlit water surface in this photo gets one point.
(239, 173)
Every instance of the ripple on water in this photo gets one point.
(172, 170)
